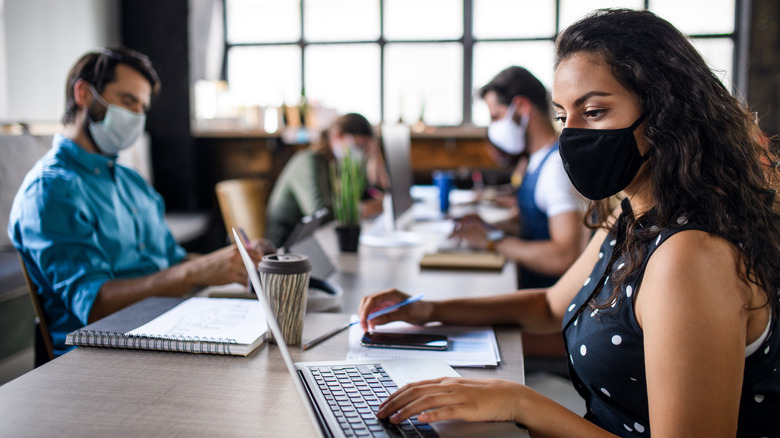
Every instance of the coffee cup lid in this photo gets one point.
(284, 264)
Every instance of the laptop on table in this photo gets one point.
(342, 397)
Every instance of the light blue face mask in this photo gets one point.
(119, 129)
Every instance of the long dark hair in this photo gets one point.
(709, 161)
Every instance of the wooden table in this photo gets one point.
(93, 392)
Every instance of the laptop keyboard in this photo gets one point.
(354, 393)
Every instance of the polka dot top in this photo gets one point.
(606, 354)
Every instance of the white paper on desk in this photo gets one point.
(204, 318)
(472, 346)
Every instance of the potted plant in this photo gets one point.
(348, 181)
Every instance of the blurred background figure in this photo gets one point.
(304, 186)
(547, 234)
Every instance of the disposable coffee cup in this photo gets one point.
(285, 281)
(443, 180)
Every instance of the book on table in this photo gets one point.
(195, 325)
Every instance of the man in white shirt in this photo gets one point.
(548, 233)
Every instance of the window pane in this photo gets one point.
(573, 10)
(268, 75)
(267, 21)
(697, 16)
(424, 75)
(423, 19)
(719, 54)
(344, 77)
(341, 20)
(514, 18)
(491, 58)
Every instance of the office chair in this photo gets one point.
(242, 204)
(43, 345)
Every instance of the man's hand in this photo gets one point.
(264, 246)
(222, 266)
(473, 230)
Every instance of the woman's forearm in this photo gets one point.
(528, 308)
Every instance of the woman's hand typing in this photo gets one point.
(447, 398)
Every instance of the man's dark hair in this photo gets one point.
(517, 81)
(99, 69)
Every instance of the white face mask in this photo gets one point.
(119, 129)
(508, 135)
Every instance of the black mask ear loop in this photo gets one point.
(633, 127)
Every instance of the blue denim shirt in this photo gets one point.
(78, 220)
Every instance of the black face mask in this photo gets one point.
(600, 162)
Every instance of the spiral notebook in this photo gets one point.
(195, 325)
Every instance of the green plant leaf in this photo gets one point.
(348, 181)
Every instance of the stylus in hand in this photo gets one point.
(371, 316)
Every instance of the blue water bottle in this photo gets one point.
(443, 179)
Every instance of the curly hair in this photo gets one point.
(710, 163)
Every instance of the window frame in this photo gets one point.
(739, 37)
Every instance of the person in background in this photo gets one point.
(671, 314)
(90, 231)
(548, 233)
(303, 186)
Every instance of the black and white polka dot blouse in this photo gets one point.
(606, 355)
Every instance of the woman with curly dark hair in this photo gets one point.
(670, 316)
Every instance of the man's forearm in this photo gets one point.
(543, 256)
(120, 293)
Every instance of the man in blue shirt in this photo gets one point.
(91, 231)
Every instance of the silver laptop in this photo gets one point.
(342, 397)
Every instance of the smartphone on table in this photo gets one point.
(414, 341)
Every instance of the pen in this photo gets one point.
(244, 237)
(394, 307)
(371, 316)
(327, 335)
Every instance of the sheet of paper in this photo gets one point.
(473, 346)
(225, 318)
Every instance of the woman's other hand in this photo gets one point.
(447, 398)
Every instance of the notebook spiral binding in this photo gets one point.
(186, 344)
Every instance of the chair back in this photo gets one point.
(44, 347)
(242, 204)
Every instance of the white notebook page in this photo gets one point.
(216, 318)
